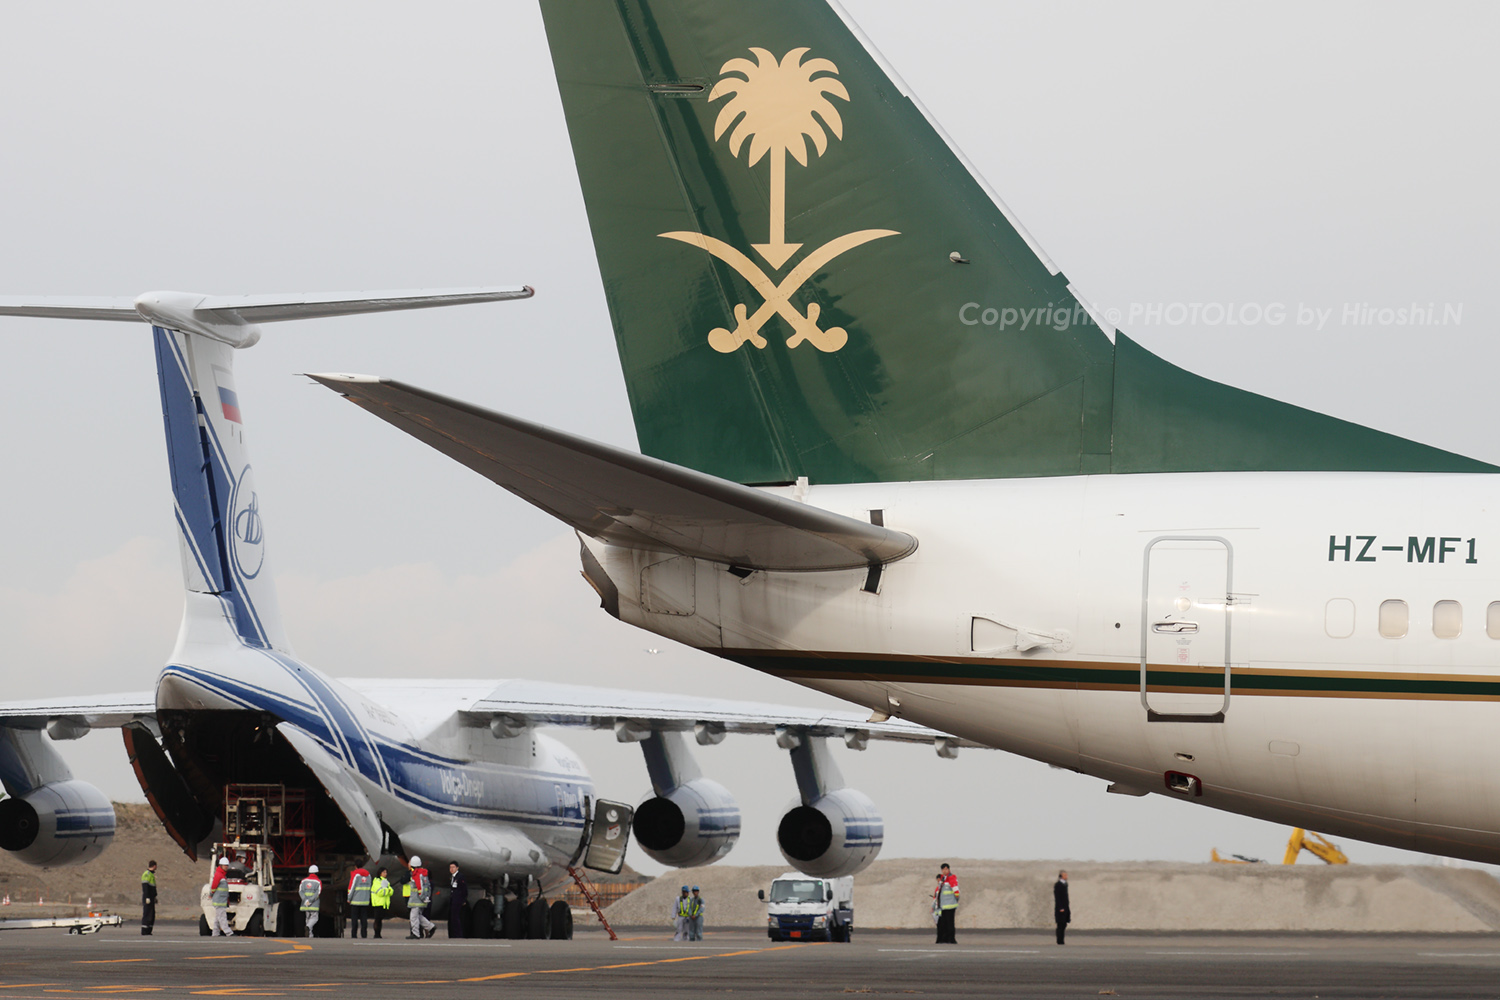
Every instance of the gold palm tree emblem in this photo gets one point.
(778, 107)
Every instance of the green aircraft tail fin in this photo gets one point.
(807, 279)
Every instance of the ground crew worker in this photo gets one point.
(380, 898)
(310, 892)
(680, 915)
(1061, 912)
(148, 898)
(359, 902)
(420, 888)
(218, 895)
(947, 902)
(695, 916)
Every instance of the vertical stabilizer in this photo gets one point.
(806, 278)
(218, 510)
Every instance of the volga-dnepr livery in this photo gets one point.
(239, 732)
(891, 455)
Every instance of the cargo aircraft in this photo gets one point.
(889, 452)
(447, 770)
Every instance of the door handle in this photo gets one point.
(1174, 627)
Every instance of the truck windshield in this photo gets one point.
(796, 891)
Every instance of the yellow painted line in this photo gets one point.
(621, 965)
(235, 991)
(210, 958)
(296, 949)
(108, 961)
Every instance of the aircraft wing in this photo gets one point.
(80, 712)
(630, 714)
(624, 497)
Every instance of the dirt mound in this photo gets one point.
(112, 880)
(1158, 896)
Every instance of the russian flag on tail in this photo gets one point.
(231, 404)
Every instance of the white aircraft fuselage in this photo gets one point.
(1019, 623)
(513, 806)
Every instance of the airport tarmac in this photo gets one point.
(647, 964)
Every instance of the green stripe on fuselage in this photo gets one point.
(1112, 676)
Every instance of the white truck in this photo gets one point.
(803, 908)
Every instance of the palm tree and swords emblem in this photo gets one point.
(779, 106)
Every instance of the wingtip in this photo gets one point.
(335, 379)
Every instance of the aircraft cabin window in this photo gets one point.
(1447, 619)
(1492, 620)
(1394, 617)
(1338, 618)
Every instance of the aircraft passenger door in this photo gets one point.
(1186, 617)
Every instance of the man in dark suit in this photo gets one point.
(458, 895)
(1060, 910)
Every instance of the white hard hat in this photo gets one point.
(312, 869)
(223, 861)
(415, 861)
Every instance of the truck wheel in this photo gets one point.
(536, 919)
(560, 918)
(203, 930)
(483, 916)
(256, 925)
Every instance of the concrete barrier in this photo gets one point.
(1118, 896)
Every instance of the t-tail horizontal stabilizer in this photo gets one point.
(232, 318)
(626, 498)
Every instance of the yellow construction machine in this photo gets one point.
(1315, 844)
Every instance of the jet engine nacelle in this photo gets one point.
(836, 835)
(694, 824)
(62, 823)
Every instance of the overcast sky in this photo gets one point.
(1173, 153)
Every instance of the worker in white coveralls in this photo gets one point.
(420, 889)
(218, 895)
(310, 892)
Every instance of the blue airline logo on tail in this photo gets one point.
(248, 528)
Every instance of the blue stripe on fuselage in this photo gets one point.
(440, 785)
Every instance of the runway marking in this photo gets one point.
(108, 961)
(597, 968)
(296, 948)
(1251, 954)
(965, 951)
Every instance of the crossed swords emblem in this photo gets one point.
(785, 104)
(777, 297)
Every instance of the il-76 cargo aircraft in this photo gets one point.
(889, 454)
(449, 771)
